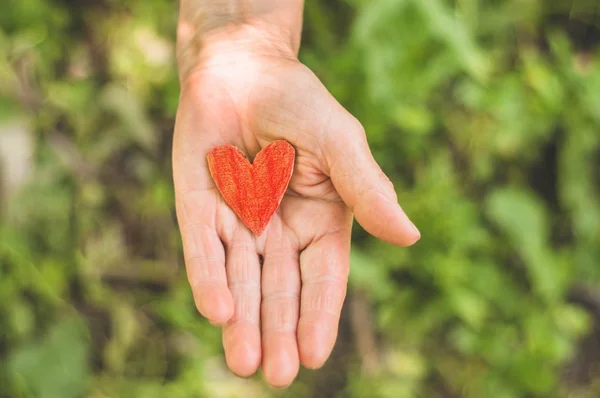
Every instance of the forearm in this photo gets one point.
(203, 22)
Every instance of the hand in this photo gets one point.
(247, 89)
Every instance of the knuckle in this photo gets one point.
(362, 197)
(281, 312)
(328, 296)
(355, 129)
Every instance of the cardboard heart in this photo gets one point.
(253, 191)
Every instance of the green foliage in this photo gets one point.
(485, 114)
(56, 367)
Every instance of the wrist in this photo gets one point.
(209, 28)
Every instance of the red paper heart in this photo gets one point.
(253, 191)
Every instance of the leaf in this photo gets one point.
(131, 113)
(57, 366)
(524, 220)
(453, 31)
(471, 307)
(369, 274)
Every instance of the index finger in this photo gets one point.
(197, 129)
(204, 255)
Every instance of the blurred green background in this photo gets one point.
(485, 114)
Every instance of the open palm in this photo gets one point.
(278, 296)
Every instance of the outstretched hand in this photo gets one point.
(278, 296)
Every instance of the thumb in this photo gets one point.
(362, 184)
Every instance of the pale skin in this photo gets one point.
(242, 84)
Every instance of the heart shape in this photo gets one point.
(253, 191)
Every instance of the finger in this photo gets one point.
(241, 335)
(280, 306)
(200, 125)
(324, 266)
(362, 184)
(316, 124)
(204, 256)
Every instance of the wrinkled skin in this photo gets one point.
(248, 89)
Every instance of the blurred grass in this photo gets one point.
(485, 114)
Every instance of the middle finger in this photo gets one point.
(280, 306)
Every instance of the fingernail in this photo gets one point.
(415, 229)
(408, 221)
